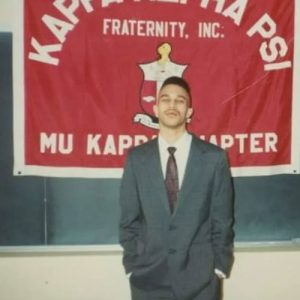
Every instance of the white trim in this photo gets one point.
(13, 250)
(295, 155)
(74, 172)
(69, 172)
(263, 171)
(116, 248)
(18, 87)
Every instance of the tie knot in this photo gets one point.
(171, 150)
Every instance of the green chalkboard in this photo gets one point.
(21, 199)
(68, 211)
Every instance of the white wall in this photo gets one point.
(256, 275)
(6, 15)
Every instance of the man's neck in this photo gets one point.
(171, 135)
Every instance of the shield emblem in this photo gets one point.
(155, 73)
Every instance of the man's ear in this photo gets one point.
(189, 113)
(155, 110)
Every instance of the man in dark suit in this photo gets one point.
(176, 208)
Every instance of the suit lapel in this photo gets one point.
(152, 166)
(195, 163)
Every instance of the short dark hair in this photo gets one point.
(178, 81)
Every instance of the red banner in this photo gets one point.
(90, 71)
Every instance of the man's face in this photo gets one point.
(172, 107)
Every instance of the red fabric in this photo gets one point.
(99, 83)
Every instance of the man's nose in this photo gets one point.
(172, 103)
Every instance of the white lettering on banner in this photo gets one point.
(235, 10)
(56, 143)
(69, 11)
(98, 144)
(210, 30)
(277, 46)
(92, 144)
(113, 145)
(106, 3)
(246, 142)
(109, 146)
(270, 51)
(42, 52)
(147, 28)
(59, 28)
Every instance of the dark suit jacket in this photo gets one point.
(180, 249)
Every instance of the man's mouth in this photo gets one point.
(171, 113)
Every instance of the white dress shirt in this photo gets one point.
(183, 146)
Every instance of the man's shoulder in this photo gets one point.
(206, 146)
(142, 148)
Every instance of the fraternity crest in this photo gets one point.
(155, 73)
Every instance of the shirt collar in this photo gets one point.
(181, 142)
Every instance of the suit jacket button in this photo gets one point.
(171, 251)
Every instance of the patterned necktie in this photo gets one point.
(171, 180)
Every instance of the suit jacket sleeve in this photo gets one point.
(129, 226)
(222, 216)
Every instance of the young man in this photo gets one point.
(176, 208)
